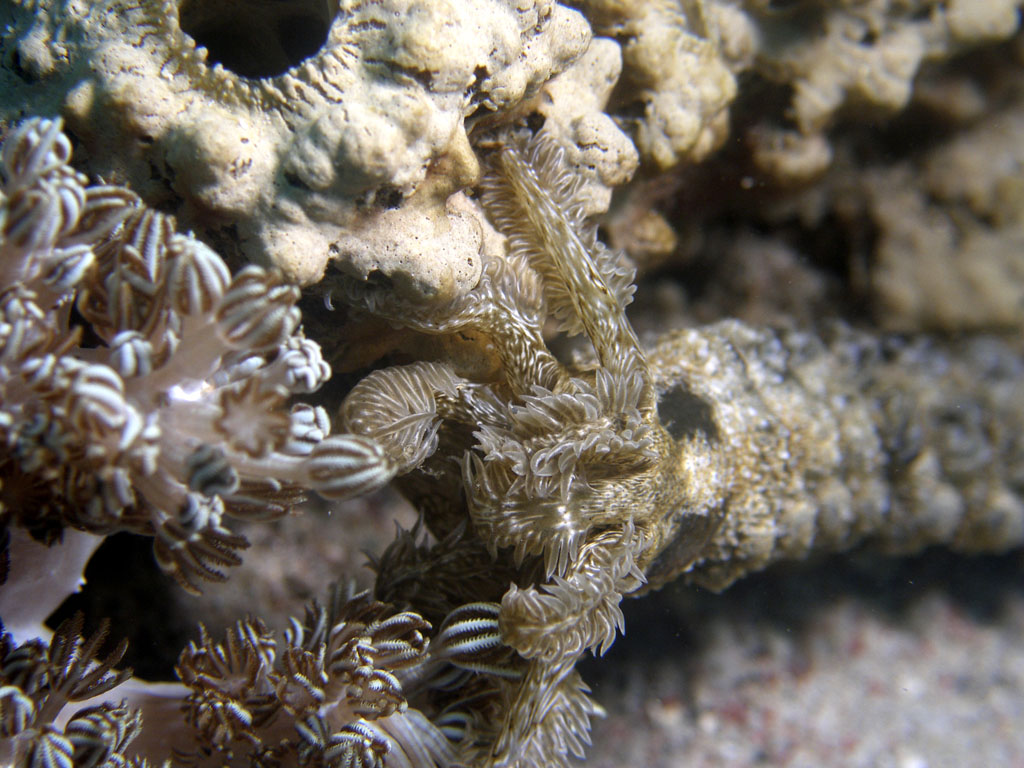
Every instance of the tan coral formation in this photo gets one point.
(676, 73)
(827, 443)
(952, 232)
(573, 106)
(915, 223)
(933, 235)
(346, 110)
(853, 55)
(302, 133)
(682, 61)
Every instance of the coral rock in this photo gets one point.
(678, 73)
(297, 124)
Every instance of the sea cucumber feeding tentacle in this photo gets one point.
(532, 199)
(715, 453)
(567, 476)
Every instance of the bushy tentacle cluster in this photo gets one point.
(143, 387)
(564, 469)
(338, 690)
(39, 680)
(715, 453)
(350, 686)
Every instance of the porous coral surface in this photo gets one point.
(299, 126)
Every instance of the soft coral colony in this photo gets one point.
(143, 381)
(146, 389)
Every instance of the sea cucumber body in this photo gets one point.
(828, 443)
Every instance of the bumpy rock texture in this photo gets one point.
(301, 126)
(682, 60)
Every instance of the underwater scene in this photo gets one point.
(511, 383)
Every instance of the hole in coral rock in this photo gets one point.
(389, 197)
(378, 279)
(535, 122)
(257, 38)
(684, 414)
